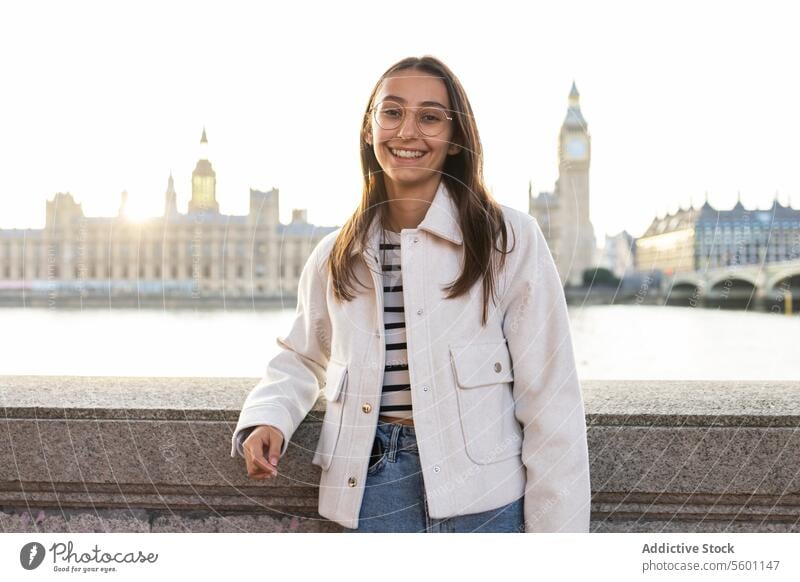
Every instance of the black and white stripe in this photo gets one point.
(396, 393)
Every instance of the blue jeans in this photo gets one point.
(394, 493)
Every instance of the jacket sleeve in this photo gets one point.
(294, 377)
(547, 392)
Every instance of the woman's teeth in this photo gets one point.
(406, 153)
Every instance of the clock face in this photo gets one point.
(576, 148)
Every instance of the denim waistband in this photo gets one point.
(405, 429)
(397, 436)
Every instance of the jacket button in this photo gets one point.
(436, 468)
(424, 387)
(351, 482)
(366, 407)
(498, 366)
(416, 239)
(419, 311)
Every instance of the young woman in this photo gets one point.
(452, 399)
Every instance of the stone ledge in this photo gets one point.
(153, 454)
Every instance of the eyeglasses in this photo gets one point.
(431, 121)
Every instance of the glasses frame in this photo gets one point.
(374, 113)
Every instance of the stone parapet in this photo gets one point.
(110, 454)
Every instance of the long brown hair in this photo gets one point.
(480, 216)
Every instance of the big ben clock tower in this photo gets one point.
(204, 182)
(564, 214)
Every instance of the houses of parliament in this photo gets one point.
(203, 254)
(199, 254)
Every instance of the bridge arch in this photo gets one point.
(777, 279)
(685, 290)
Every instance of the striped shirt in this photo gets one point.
(396, 392)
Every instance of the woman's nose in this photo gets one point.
(408, 126)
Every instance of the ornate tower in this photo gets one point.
(574, 251)
(123, 204)
(170, 198)
(204, 182)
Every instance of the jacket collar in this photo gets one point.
(441, 219)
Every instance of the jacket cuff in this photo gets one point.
(250, 418)
(238, 441)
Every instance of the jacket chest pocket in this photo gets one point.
(335, 391)
(484, 382)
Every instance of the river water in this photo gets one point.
(611, 342)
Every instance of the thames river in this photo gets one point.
(611, 342)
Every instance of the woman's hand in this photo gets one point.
(260, 466)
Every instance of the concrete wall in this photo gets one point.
(113, 454)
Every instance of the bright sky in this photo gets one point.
(680, 98)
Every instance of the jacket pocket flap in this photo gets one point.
(336, 375)
(482, 364)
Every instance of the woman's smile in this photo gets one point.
(407, 156)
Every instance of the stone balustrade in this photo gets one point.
(109, 454)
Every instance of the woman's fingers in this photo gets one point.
(262, 469)
(257, 465)
(275, 443)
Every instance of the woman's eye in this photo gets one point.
(391, 112)
(432, 116)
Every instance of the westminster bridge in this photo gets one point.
(770, 285)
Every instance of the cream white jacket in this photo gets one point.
(498, 411)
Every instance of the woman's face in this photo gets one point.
(414, 90)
